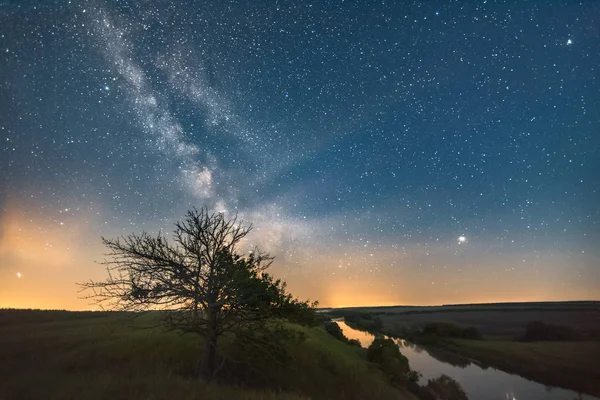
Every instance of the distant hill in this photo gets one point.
(545, 305)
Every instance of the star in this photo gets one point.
(319, 160)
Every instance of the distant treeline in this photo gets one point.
(536, 331)
(533, 330)
(446, 329)
(526, 306)
(365, 322)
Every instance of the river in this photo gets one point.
(477, 382)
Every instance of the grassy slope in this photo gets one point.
(53, 355)
(572, 365)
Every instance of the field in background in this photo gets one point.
(573, 364)
(498, 319)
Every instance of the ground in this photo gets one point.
(66, 355)
(572, 365)
(500, 323)
(499, 319)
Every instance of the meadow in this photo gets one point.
(97, 355)
(571, 365)
(497, 319)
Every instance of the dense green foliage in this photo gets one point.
(442, 388)
(539, 331)
(334, 330)
(446, 329)
(364, 322)
(386, 354)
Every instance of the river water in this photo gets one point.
(477, 382)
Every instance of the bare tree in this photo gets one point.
(198, 279)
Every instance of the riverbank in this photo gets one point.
(574, 365)
(571, 365)
(479, 382)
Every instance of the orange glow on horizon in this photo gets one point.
(42, 260)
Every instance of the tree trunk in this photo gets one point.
(210, 347)
(195, 316)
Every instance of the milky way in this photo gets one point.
(397, 153)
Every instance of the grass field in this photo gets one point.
(572, 365)
(68, 355)
(502, 319)
(509, 324)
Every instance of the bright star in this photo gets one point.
(569, 41)
(18, 275)
(462, 239)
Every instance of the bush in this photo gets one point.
(446, 388)
(471, 333)
(446, 329)
(412, 381)
(334, 330)
(425, 393)
(386, 354)
(258, 350)
(539, 331)
(365, 322)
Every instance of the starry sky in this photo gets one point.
(385, 152)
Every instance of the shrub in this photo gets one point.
(425, 393)
(334, 330)
(365, 322)
(446, 388)
(446, 329)
(386, 354)
(471, 333)
(539, 331)
(255, 350)
(412, 381)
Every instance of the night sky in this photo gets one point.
(385, 152)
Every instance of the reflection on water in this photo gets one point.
(479, 383)
(440, 355)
